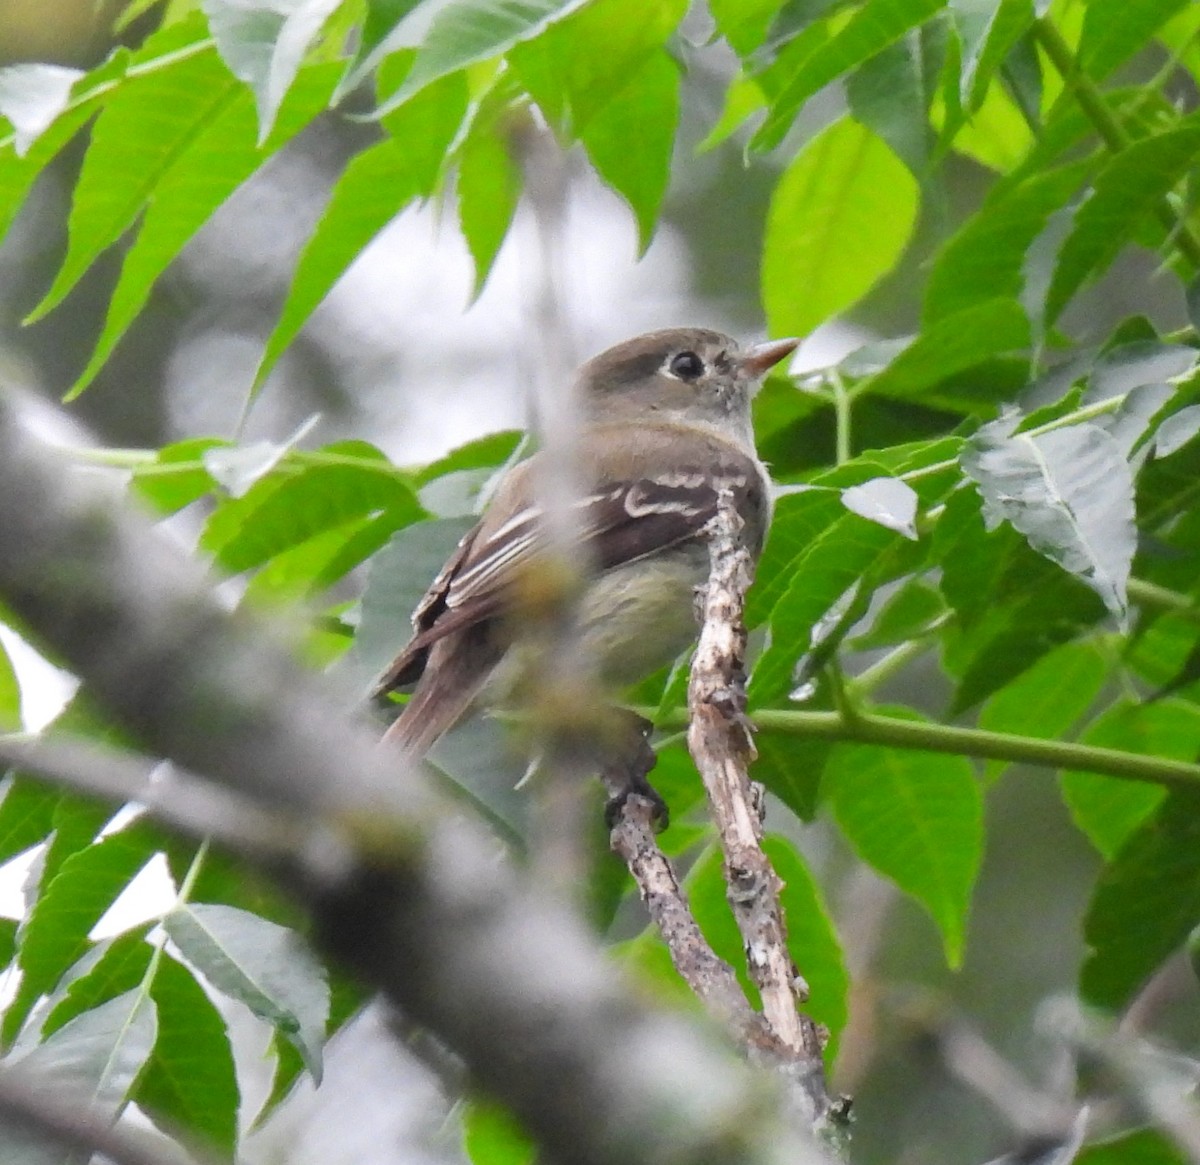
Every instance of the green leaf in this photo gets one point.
(1112, 33)
(221, 154)
(376, 185)
(1050, 698)
(1013, 605)
(839, 219)
(267, 967)
(10, 695)
(146, 127)
(908, 613)
(56, 932)
(374, 39)
(812, 940)
(492, 1136)
(1140, 1147)
(112, 967)
(1108, 810)
(177, 476)
(346, 1000)
(263, 42)
(744, 23)
(868, 31)
(1176, 431)
(235, 468)
(1124, 192)
(319, 562)
(8, 941)
(488, 452)
(988, 30)
(951, 345)
(917, 818)
(798, 520)
(1145, 904)
(1069, 491)
(18, 173)
(985, 258)
(95, 1059)
(298, 502)
(631, 140)
(577, 66)
(886, 501)
(791, 766)
(834, 562)
(489, 185)
(1126, 366)
(189, 1083)
(887, 94)
(32, 97)
(466, 31)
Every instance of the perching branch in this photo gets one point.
(420, 909)
(711, 979)
(720, 744)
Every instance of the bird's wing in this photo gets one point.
(617, 523)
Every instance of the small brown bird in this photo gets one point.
(666, 422)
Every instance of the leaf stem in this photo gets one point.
(1152, 595)
(145, 463)
(842, 404)
(895, 661)
(1085, 413)
(1111, 132)
(872, 728)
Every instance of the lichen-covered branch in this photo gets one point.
(711, 979)
(720, 744)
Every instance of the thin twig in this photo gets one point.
(1161, 1083)
(711, 979)
(719, 741)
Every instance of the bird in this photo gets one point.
(665, 425)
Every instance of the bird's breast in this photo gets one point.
(638, 617)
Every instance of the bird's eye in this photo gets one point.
(687, 366)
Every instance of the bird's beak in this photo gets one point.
(755, 361)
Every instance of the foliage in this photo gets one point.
(1006, 491)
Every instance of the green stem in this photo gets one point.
(1111, 132)
(144, 463)
(895, 661)
(1152, 595)
(193, 873)
(872, 728)
(1098, 409)
(841, 408)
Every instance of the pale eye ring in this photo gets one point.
(686, 365)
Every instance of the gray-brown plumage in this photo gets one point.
(666, 423)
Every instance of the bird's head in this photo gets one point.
(690, 375)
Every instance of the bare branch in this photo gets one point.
(45, 1113)
(429, 915)
(181, 801)
(1160, 1083)
(720, 744)
(711, 979)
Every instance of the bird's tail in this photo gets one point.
(456, 672)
